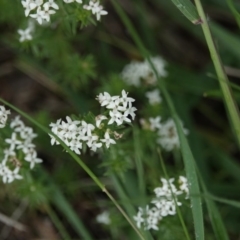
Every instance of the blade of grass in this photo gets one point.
(58, 223)
(234, 12)
(215, 217)
(188, 10)
(188, 158)
(222, 77)
(81, 163)
(62, 204)
(223, 200)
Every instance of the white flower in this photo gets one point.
(115, 117)
(9, 175)
(47, 12)
(12, 175)
(52, 4)
(133, 72)
(75, 145)
(148, 217)
(107, 140)
(90, 139)
(168, 136)
(160, 65)
(87, 128)
(104, 218)
(29, 5)
(39, 15)
(183, 185)
(95, 146)
(99, 119)
(25, 35)
(16, 122)
(155, 123)
(13, 141)
(154, 97)
(3, 116)
(125, 99)
(32, 158)
(68, 1)
(130, 111)
(153, 217)
(96, 9)
(139, 218)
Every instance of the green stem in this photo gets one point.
(57, 223)
(222, 77)
(80, 162)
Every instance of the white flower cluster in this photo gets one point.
(135, 72)
(96, 9)
(3, 116)
(164, 204)
(42, 11)
(20, 143)
(75, 133)
(167, 132)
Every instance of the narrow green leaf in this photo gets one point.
(225, 201)
(234, 11)
(188, 10)
(215, 217)
(62, 204)
(229, 101)
(194, 190)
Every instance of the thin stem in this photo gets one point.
(222, 77)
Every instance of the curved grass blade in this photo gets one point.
(229, 101)
(234, 11)
(215, 217)
(188, 10)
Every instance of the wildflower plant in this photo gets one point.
(148, 76)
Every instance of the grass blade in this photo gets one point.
(188, 10)
(222, 77)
